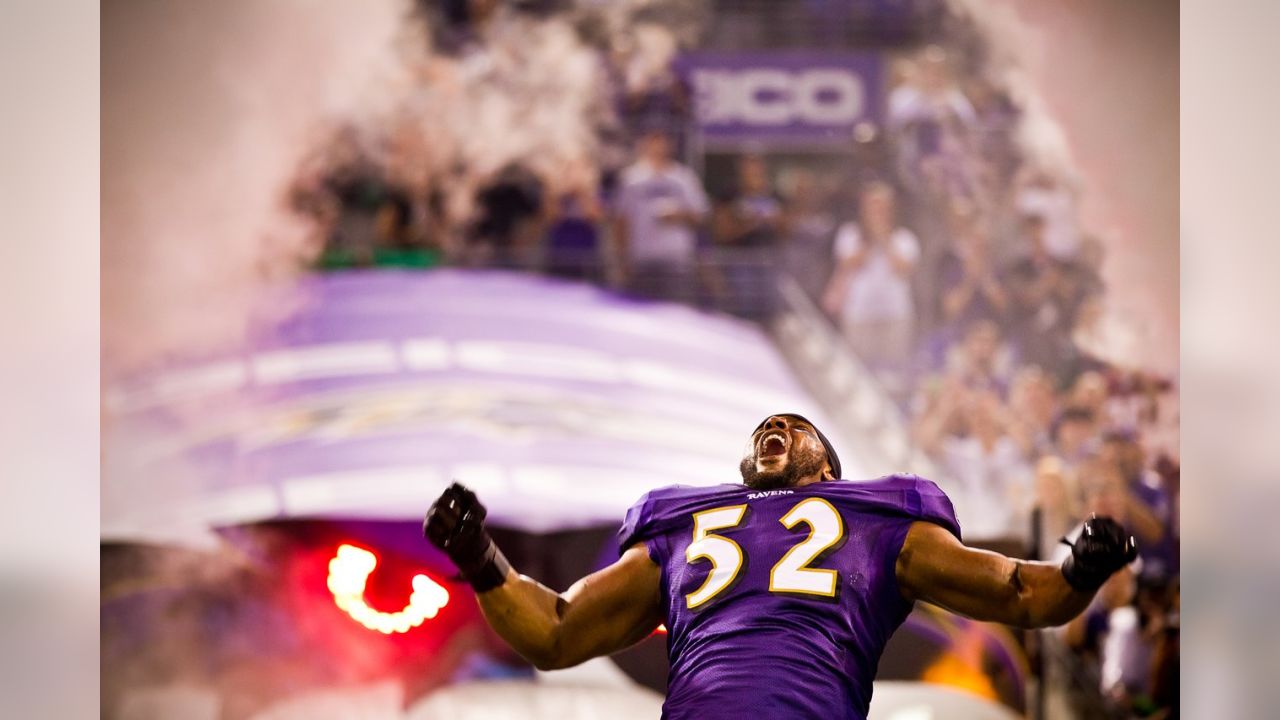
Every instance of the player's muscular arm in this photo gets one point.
(600, 614)
(935, 567)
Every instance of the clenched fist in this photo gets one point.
(455, 524)
(1102, 548)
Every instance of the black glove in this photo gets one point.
(1102, 548)
(455, 524)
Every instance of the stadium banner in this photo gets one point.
(789, 97)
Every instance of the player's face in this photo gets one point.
(781, 453)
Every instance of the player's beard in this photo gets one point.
(798, 466)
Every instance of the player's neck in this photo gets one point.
(808, 480)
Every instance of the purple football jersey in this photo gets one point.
(780, 602)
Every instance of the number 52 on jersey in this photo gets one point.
(793, 573)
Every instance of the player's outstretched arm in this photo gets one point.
(936, 567)
(601, 614)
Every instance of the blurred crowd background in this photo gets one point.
(926, 223)
(954, 264)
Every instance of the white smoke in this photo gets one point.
(1012, 47)
(214, 112)
(531, 94)
(207, 110)
(527, 90)
(1096, 85)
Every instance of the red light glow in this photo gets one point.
(348, 572)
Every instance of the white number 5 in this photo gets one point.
(724, 554)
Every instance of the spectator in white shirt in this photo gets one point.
(870, 290)
(930, 94)
(1043, 196)
(933, 123)
(970, 432)
(659, 208)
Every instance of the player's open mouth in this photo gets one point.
(773, 443)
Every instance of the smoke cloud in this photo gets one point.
(214, 113)
(207, 109)
(1097, 84)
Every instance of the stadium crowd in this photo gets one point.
(956, 267)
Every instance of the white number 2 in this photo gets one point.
(791, 574)
(826, 528)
